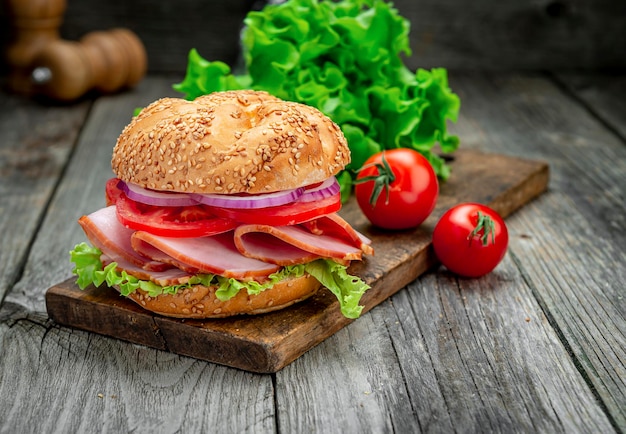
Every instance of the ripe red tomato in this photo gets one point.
(204, 220)
(397, 189)
(112, 191)
(289, 214)
(470, 239)
(182, 221)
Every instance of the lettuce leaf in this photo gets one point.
(348, 289)
(346, 59)
(90, 270)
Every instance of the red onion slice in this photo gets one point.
(250, 201)
(328, 188)
(157, 198)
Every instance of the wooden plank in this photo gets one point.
(509, 377)
(603, 94)
(497, 364)
(79, 192)
(571, 243)
(485, 355)
(352, 382)
(71, 381)
(266, 343)
(466, 355)
(35, 142)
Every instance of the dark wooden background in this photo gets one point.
(481, 34)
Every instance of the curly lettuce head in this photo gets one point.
(346, 59)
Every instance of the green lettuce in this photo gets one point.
(346, 59)
(348, 289)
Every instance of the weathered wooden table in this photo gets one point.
(539, 345)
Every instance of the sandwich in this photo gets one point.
(224, 205)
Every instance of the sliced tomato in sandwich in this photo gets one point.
(204, 220)
(112, 191)
(187, 221)
(289, 214)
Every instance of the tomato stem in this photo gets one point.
(382, 179)
(485, 224)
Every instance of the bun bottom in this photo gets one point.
(200, 302)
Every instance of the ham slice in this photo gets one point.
(216, 254)
(172, 276)
(335, 226)
(288, 245)
(251, 251)
(107, 234)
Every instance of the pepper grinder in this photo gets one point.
(43, 63)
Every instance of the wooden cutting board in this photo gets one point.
(266, 343)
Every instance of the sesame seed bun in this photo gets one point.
(229, 142)
(200, 302)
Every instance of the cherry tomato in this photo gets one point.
(470, 239)
(289, 214)
(397, 189)
(184, 221)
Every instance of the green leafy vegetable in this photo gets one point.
(348, 289)
(346, 59)
(90, 270)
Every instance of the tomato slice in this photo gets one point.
(203, 220)
(289, 214)
(112, 191)
(180, 222)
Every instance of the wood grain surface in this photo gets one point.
(267, 343)
(35, 144)
(536, 346)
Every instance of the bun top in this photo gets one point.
(229, 142)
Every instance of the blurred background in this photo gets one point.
(523, 35)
